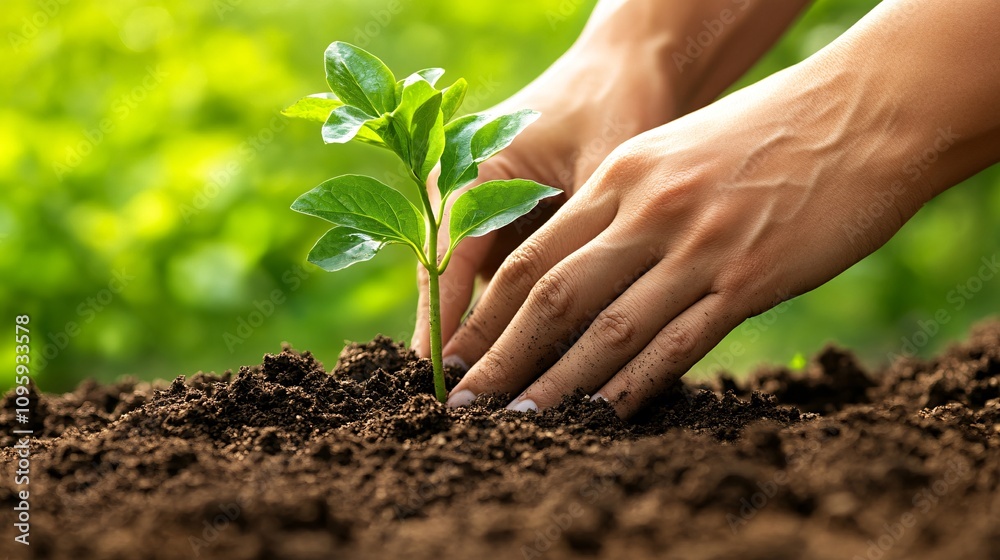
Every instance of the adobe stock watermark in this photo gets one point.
(563, 519)
(695, 45)
(225, 7)
(121, 108)
(913, 171)
(291, 280)
(958, 298)
(220, 179)
(562, 12)
(750, 506)
(724, 356)
(86, 311)
(479, 94)
(211, 529)
(31, 26)
(923, 501)
(380, 19)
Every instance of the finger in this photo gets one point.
(673, 351)
(616, 335)
(566, 232)
(557, 310)
(421, 329)
(459, 280)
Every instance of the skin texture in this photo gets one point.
(687, 229)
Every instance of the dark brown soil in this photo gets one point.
(285, 460)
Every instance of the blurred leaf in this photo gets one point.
(316, 107)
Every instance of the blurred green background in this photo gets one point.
(146, 177)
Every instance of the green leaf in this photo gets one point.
(457, 165)
(344, 124)
(472, 139)
(316, 107)
(366, 205)
(432, 75)
(453, 97)
(499, 133)
(398, 130)
(371, 133)
(341, 247)
(426, 136)
(415, 94)
(493, 205)
(429, 75)
(360, 79)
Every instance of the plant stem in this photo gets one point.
(433, 288)
(435, 320)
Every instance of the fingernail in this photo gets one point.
(523, 406)
(456, 361)
(598, 398)
(461, 398)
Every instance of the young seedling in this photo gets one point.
(412, 119)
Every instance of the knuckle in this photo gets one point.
(614, 328)
(740, 278)
(493, 370)
(626, 164)
(680, 342)
(552, 296)
(522, 267)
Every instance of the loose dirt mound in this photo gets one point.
(284, 460)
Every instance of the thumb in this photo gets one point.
(456, 287)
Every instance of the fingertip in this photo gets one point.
(417, 346)
(523, 405)
(456, 361)
(460, 398)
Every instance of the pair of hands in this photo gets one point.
(668, 239)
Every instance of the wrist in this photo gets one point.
(596, 96)
(930, 77)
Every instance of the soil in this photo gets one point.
(284, 460)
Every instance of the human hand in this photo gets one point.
(631, 70)
(682, 234)
(562, 149)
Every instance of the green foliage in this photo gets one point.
(341, 247)
(368, 206)
(409, 117)
(493, 205)
(316, 107)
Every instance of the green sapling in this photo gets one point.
(414, 120)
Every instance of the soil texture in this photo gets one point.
(288, 461)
